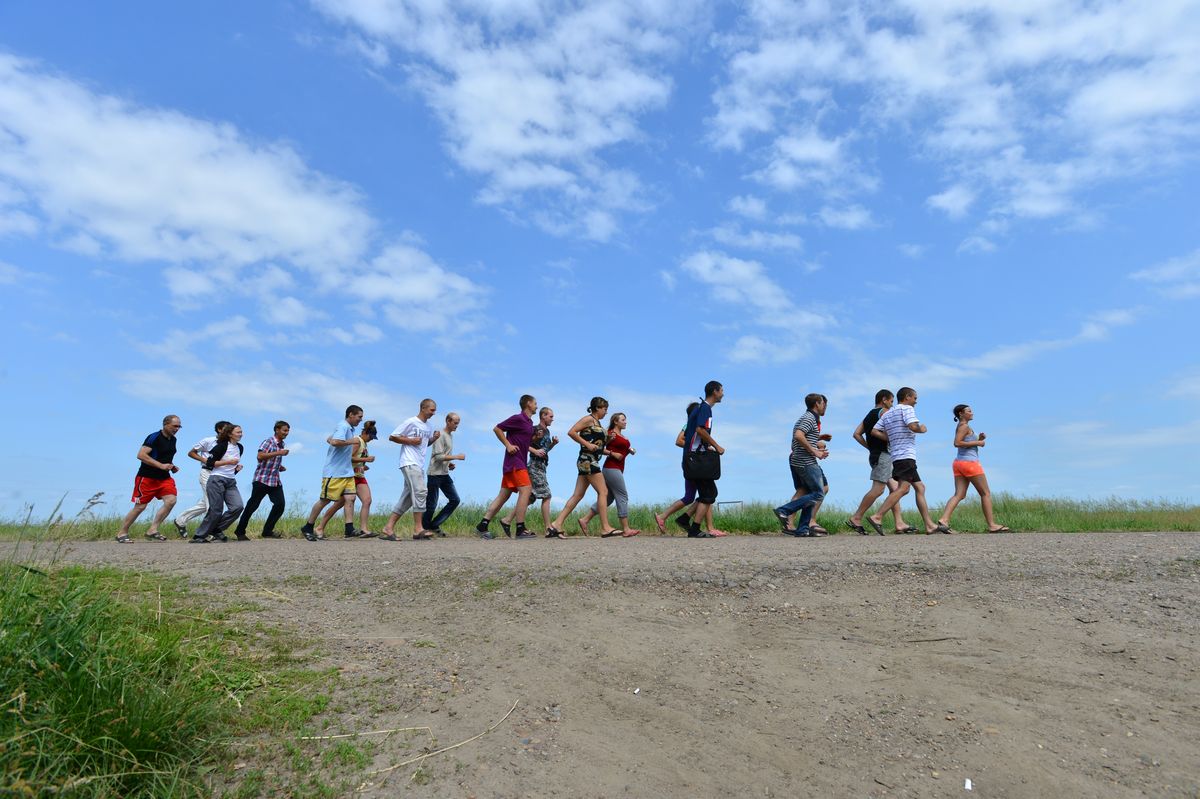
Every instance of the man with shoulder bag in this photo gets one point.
(702, 455)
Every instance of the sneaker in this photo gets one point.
(198, 541)
(484, 534)
(308, 533)
(180, 528)
(438, 532)
(220, 537)
(700, 534)
(351, 533)
(242, 537)
(271, 534)
(526, 534)
(482, 528)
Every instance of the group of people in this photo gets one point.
(427, 458)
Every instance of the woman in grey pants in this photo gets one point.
(224, 499)
(618, 449)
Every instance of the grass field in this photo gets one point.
(1022, 514)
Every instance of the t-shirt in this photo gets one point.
(620, 445)
(701, 419)
(874, 446)
(228, 451)
(902, 442)
(337, 459)
(810, 426)
(413, 454)
(542, 440)
(519, 430)
(203, 447)
(162, 449)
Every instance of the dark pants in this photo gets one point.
(434, 484)
(257, 492)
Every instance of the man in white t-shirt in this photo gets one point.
(414, 436)
(199, 453)
(900, 428)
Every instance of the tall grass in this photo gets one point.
(1028, 514)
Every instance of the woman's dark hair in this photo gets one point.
(881, 395)
(958, 409)
(612, 421)
(691, 407)
(217, 427)
(596, 404)
(224, 433)
(369, 430)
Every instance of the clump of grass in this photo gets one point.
(99, 699)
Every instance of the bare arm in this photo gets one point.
(578, 427)
(858, 436)
(879, 433)
(917, 427)
(708, 440)
(961, 432)
(196, 456)
(144, 456)
(679, 440)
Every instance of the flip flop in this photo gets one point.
(611, 533)
(858, 528)
(124, 539)
(818, 529)
(876, 526)
(943, 528)
(390, 537)
(630, 534)
(156, 537)
(426, 537)
(906, 530)
(552, 533)
(662, 529)
(583, 528)
(717, 533)
(1000, 530)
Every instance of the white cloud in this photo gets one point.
(954, 201)
(1029, 104)
(1178, 278)
(225, 213)
(853, 217)
(771, 350)
(12, 275)
(734, 236)
(913, 251)
(532, 94)
(748, 206)
(976, 245)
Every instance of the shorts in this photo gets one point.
(689, 492)
(905, 470)
(537, 478)
(967, 468)
(146, 489)
(336, 487)
(359, 480)
(881, 472)
(707, 490)
(517, 478)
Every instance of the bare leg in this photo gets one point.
(867, 501)
(985, 500)
(581, 484)
(923, 508)
(708, 517)
(892, 500)
(661, 518)
(364, 510)
(899, 518)
(497, 504)
(130, 518)
(960, 493)
(329, 514)
(418, 523)
(316, 509)
(546, 512)
(597, 481)
(524, 495)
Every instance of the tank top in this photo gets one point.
(359, 468)
(968, 453)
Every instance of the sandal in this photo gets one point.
(858, 528)
(662, 530)
(366, 534)
(611, 533)
(426, 537)
(1001, 529)
(876, 526)
(818, 529)
(153, 537)
(630, 533)
(906, 530)
(389, 537)
(943, 528)
(124, 539)
(715, 533)
(553, 533)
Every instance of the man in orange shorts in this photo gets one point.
(154, 480)
(516, 434)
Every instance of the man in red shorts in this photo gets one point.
(154, 480)
(516, 434)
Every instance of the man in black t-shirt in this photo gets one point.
(154, 480)
(881, 465)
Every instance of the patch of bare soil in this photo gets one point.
(1028, 665)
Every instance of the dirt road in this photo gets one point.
(1031, 665)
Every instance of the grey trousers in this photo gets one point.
(415, 491)
(224, 506)
(615, 480)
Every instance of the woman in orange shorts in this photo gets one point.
(968, 471)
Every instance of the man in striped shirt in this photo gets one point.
(807, 477)
(267, 483)
(900, 428)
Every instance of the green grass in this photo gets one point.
(122, 684)
(1030, 514)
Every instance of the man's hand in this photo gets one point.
(511, 449)
(459, 457)
(436, 435)
(283, 468)
(283, 452)
(450, 466)
(554, 439)
(822, 454)
(982, 436)
(172, 467)
(237, 468)
(720, 449)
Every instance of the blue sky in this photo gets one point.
(271, 210)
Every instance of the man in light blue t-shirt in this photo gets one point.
(337, 476)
